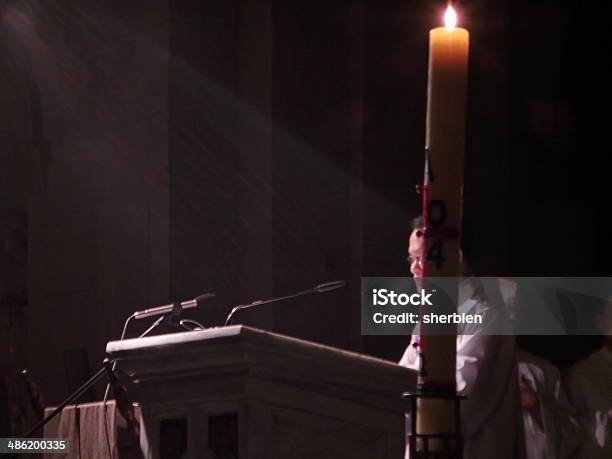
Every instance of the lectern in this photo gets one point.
(243, 393)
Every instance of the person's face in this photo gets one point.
(416, 253)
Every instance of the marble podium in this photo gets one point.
(239, 392)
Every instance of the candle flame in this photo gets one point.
(450, 18)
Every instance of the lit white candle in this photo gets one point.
(442, 202)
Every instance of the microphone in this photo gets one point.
(167, 308)
(321, 288)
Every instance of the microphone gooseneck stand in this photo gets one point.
(197, 326)
(321, 288)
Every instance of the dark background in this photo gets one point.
(155, 150)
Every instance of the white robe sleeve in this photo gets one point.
(585, 395)
(410, 358)
(561, 430)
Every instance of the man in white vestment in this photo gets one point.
(486, 368)
(589, 387)
(551, 428)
